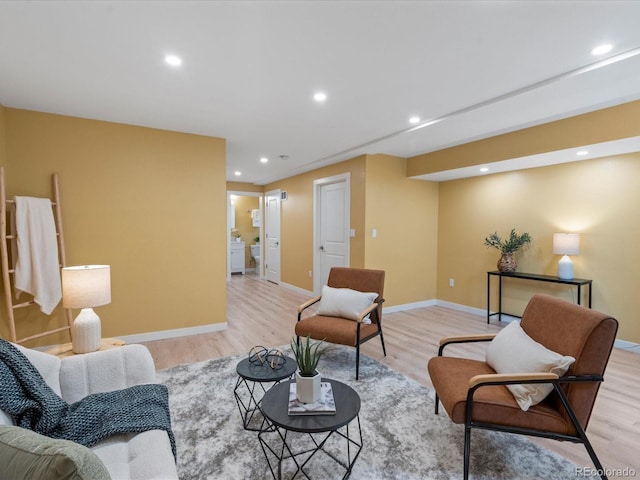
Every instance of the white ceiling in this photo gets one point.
(250, 69)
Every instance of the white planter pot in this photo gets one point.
(308, 388)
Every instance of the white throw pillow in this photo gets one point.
(345, 302)
(513, 351)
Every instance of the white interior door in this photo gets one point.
(272, 237)
(332, 211)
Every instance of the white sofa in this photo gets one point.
(145, 455)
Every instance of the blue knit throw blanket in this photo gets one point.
(34, 405)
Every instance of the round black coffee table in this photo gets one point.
(279, 443)
(250, 375)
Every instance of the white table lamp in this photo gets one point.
(566, 244)
(84, 287)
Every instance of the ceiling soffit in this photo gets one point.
(609, 126)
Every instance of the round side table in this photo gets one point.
(281, 440)
(246, 391)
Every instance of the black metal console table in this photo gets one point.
(578, 282)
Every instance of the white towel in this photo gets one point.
(255, 217)
(37, 266)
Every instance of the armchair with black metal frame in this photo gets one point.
(475, 395)
(363, 325)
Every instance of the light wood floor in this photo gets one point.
(262, 313)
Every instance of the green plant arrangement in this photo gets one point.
(256, 239)
(509, 245)
(307, 355)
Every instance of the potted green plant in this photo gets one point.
(256, 239)
(507, 247)
(307, 355)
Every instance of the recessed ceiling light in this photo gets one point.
(582, 152)
(484, 169)
(602, 49)
(173, 60)
(414, 119)
(320, 97)
(264, 159)
(237, 173)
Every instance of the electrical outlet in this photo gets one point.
(310, 273)
(452, 282)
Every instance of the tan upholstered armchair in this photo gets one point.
(361, 325)
(475, 395)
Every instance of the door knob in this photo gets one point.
(322, 248)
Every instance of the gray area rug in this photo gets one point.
(402, 437)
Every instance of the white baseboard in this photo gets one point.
(296, 289)
(408, 306)
(473, 310)
(178, 332)
(624, 345)
(461, 308)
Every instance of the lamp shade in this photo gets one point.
(566, 243)
(86, 286)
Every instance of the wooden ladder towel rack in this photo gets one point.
(8, 272)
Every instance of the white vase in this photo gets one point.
(308, 388)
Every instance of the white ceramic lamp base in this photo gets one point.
(565, 268)
(86, 334)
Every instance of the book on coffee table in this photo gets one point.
(326, 405)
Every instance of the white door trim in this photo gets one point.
(317, 185)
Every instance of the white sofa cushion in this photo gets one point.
(105, 371)
(5, 419)
(146, 455)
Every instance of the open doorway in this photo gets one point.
(244, 226)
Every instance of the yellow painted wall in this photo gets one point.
(614, 123)
(297, 220)
(150, 203)
(597, 198)
(135, 198)
(404, 213)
